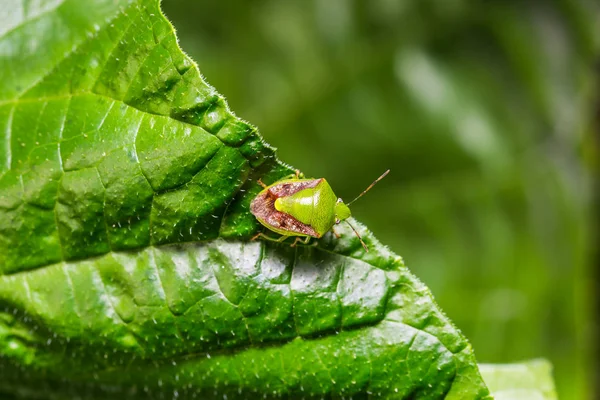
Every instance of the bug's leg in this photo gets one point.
(281, 239)
(263, 236)
(337, 235)
(297, 240)
(261, 183)
(255, 237)
(297, 175)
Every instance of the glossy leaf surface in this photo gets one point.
(125, 264)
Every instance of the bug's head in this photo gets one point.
(342, 211)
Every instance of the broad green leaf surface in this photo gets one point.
(531, 380)
(125, 266)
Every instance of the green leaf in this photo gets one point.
(531, 380)
(125, 262)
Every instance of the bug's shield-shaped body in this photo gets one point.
(296, 207)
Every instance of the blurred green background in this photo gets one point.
(484, 111)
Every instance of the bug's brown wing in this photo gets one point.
(263, 208)
(291, 186)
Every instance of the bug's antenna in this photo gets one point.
(369, 188)
(358, 236)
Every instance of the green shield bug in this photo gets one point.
(303, 208)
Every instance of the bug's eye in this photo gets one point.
(339, 200)
(337, 220)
